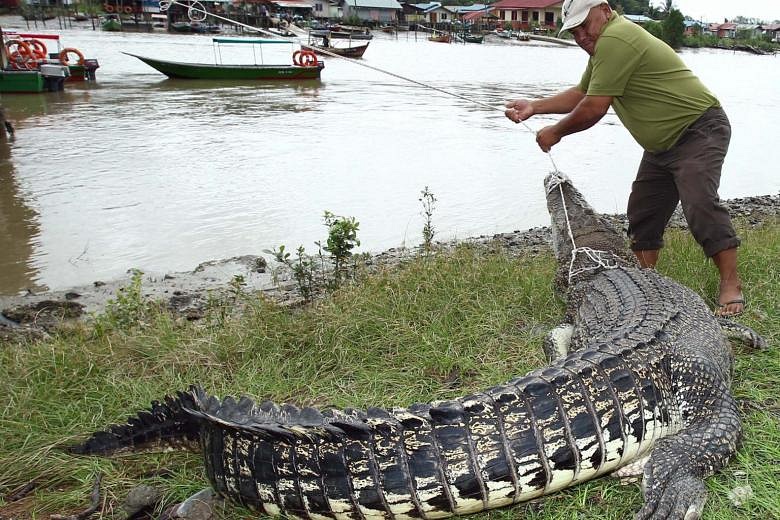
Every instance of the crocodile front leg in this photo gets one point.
(557, 342)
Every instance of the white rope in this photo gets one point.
(601, 259)
(196, 7)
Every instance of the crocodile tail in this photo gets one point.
(167, 424)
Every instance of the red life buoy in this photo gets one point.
(109, 8)
(297, 57)
(38, 48)
(128, 9)
(308, 59)
(20, 54)
(64, 56)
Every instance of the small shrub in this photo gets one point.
(127, 310)
(302, 268)
(428, 201)
(342, 239)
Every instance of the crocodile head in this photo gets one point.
(576, 225)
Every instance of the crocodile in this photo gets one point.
(638, 383)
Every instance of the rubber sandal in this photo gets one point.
(721, 312)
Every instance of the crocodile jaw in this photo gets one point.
(576, 225)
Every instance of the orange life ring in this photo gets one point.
(109, 8)
(297, 57)
(128, 9)
(308, 59)
(67, 50)
(38, 48)
(19, 53)
(32, 64)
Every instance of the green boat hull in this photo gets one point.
(111, 25)
(21, 81)
(177, 70)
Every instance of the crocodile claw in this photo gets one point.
(677, 497)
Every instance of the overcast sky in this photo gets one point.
(717, 10)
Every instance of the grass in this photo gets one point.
(439, 327)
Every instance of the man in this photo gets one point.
(680, 124)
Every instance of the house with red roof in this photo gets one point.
(723, 30)
(528, 14)
(772, 30)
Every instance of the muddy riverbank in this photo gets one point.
(187, 294)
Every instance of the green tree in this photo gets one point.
(630, 6)
(673, 29)
(655, 28)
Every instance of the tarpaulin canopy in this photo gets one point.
(292, 4)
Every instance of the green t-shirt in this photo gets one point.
(654, 94)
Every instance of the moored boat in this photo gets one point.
(179, 70)
(305, 65)
(29, 66)
(440, 38)
(351, 35)
(354, 31)
(321, 42)
(111, 22)
(355, 51)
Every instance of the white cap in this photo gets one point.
(575, 12)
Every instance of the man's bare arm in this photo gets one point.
(587, 113)
(561, 103)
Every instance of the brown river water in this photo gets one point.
(137, 171)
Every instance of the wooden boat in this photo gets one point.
(302, 70)
(440, 38)
(183, 27)
(203, 28)
(355, 51)
(354, 30)
(111, 22)
(44, 59)
(351, 35)
(321, 41)
(49, 78)
(21, 81)
(473, 38)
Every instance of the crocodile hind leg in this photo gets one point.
(673, 483)
(631, 473)
(742, 333)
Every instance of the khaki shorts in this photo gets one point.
(689, 173)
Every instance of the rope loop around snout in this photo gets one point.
(601, 259)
